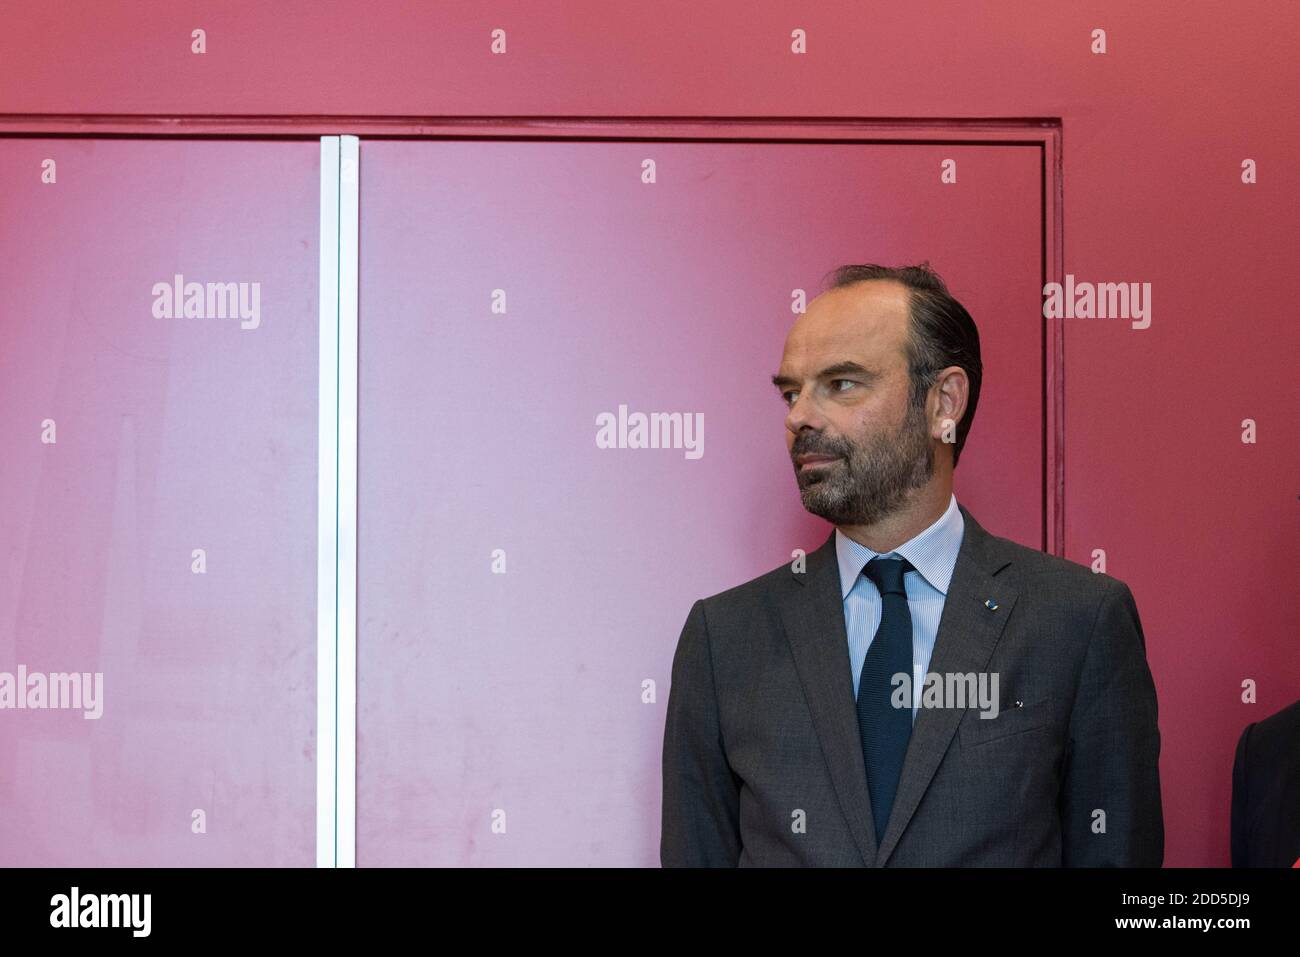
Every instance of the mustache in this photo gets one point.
(805, 445)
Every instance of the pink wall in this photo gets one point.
(172, 436)
(1203, 527)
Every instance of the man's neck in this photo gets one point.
(924, 509)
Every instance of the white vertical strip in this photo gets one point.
(349, 242)
(327, 509)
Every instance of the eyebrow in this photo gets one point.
(839, 369)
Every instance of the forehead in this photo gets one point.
(865, 323)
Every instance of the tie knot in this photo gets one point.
(887, 573)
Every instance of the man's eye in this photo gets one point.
(849, 381)
(785, 397)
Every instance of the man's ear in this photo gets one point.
(951, 391)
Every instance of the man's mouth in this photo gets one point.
(808, 462)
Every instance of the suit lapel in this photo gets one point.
(813, 619)
(968, 632)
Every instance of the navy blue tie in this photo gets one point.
(885, 729)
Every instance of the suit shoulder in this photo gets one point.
(756, 591)
(1278, 732)
(1040, 570)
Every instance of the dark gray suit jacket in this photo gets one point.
(762, 758)
(1265, 822)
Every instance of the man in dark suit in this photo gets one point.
(919, 692)
(1266, 792)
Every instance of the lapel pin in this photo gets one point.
(990, 604)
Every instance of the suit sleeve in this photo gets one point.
(1113, 757)
(1238, 827)
(701, 794)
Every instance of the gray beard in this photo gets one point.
(871, 481)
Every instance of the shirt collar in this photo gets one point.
(932, 552)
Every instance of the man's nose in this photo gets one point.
(803, 414)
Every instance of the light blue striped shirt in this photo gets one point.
(933, 554)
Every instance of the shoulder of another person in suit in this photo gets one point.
(1280, 731)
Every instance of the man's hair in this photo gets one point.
(942, 333)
